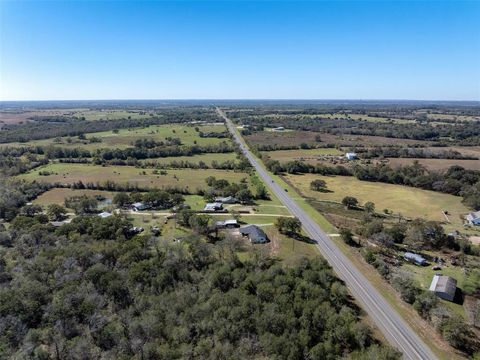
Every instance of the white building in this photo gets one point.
(212, 207)
(351, 156)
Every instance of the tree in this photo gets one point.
(369, 207)
(318, 185)
(425, 302)
(56, 212)
(121, 199)
(31, 210)
(244, 196)
(349, 202)
(346, 235)
(288, 225)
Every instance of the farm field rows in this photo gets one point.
(183, 178)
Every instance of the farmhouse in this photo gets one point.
(227, 200)
(139, 206)
(280, 128)
(227, 224)
(474, 218)
(444, 286)
(254, 233)
(212, 207)
(351, 156)
(415, 258)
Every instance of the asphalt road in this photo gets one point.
(394, 328)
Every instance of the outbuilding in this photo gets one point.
(105, 214)
(473, 218)
(227, 200)
(444, 287)
(139, 206)
(351, 156)
(254, 233)
(212, 207)
(227, 224)
(415, 258)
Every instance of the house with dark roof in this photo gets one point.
(139, 206)
(254, 233)
(212, 207)
(444, 287)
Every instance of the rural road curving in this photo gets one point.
(394, 328)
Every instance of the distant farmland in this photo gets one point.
(183, 178)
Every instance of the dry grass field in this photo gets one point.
(436, 164)
(303, 155)
(125, 137)
(295, 138)
(410, 202)
(58, 195)
(183, 178)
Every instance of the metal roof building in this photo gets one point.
(415, 258)
(444, 287)
(254, 233)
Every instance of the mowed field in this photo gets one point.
(126, 137)
(410, 202)
(58, 195)
(184, 178)
(307, 154)
(436, 164)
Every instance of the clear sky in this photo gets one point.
(240, 50)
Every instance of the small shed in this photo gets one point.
(212, 207)
(444, 287)
(254, 233)
(351, 156)
(139, 206)
(105, 214)
(415, 258)
(474, 218)
(227, 200)
(227, 224)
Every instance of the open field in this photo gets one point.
(58, 195)
(124, 138)
(295, 138)
(410, 202)
(184, 178)
(303, 154)
(436, 164)
(206, 158)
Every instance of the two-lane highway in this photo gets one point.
(395, 329)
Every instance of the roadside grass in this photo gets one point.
(184, 178)
(420, 326)
(125, 137)
(408, 201)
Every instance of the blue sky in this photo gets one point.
(240, 50)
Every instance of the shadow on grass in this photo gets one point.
(303, 238)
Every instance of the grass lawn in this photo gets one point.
(410, 202)
(125, 137)
(184, 178)
(302, 154)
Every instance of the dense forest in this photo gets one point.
(87, 291)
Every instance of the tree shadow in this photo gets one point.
(303, 238)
